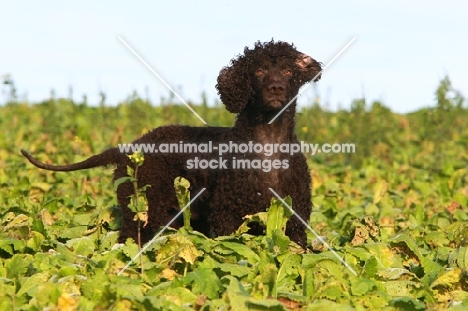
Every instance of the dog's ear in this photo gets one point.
(234, 85)
(309, 68)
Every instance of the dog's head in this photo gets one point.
(271, 72)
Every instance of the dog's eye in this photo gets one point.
(259, 72)
(288, 72)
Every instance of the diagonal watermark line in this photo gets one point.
(318, 74)
(315, 233)
(161, 79)
(159, 233)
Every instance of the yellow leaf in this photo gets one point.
(379, 191)
(46, 217)
(449, 278)
(168, 274)
(316, 179)
(123, 305)
(19, 221)
(189, 253)
(66, 303)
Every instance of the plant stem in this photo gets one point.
(135, 188)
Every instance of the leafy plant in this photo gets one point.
(138, 202)
(396, 212)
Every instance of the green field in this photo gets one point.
(396, 211)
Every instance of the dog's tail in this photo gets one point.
(107, 157)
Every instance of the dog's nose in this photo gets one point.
(276, 88)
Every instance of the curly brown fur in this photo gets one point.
(256, 86)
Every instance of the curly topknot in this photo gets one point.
(234, 81)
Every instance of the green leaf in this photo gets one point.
(371, 267)
(407, 303)
(122, 180)
(83, 246)
(268, 278)
(8, 245)
(324, 304)
(462, 258)
(130, 291)
(17, 265)
(332, 292)
(236, 294)
(84, 219)
(234, 269)
(47, 293)
(278, 215)
(398, 288)
(372, 209)
(35, 241)
(67, 271)
(73, 232)
(203, 281)
(65, 252)
(419, 214)
(31, 284)
(95, 286)
(393, 273)
(428, 265)
(288, 271)
(436, 238)
(424, 187)
(280, 240)
(382, 253)
(308, 285)
(265, 304)
(180, 296)
(243, 251)
(361, 253)
(360, 287)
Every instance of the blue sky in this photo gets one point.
(402, 48)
